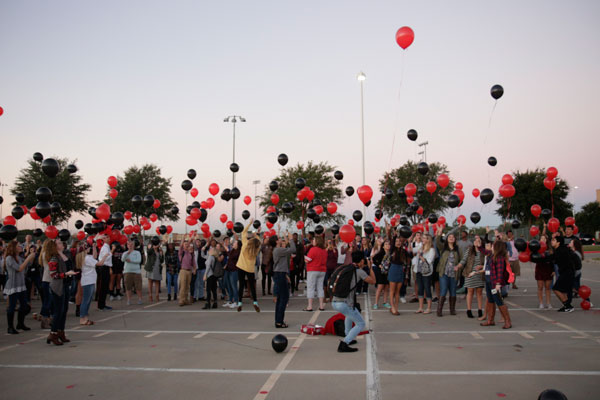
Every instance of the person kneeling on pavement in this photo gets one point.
(342, 285)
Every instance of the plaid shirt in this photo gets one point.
(498, 267)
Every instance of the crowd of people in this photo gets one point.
(438, 266)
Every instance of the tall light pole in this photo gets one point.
(574, 189)
(361, 78)
(2, 185)
(257, 182)
(233, 119)
(424, 152)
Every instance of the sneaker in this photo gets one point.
(403, 300)
(345, 348)
(119, 297)
(232, 305)
(227, 304)
(106, 308)
(569, 309)
(549, 306)
(435, 300)
(541, 307)
(387, 305)
(168, 297)
(562, 309)
(256, 308)
(112, 298)
(375, 307)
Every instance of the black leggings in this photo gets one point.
(266, 277)
(242, 283)
(211, 289)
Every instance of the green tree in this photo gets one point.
(67, 189)
(319, 177)
(530, 190)
(588, 219)
(407, 173)
(143, 181)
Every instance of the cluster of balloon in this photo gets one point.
(279, 343)
(412, 134)
(584, 293)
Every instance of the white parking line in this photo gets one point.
(253, 336)
(155, 304)
(104, 333)
(373, 383)
(414, 335)
(525, 335)
(476, 335)
(200, 335)
(152, 334)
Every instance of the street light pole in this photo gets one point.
(257, 182)
(233, 119)
(361, 78)
(2, 185)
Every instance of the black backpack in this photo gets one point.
(341, 279)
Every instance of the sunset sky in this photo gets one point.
(112, 84)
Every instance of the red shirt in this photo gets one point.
(318, 261)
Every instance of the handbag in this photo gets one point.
(425, 267)
(385, 264)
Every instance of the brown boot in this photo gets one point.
(490, 310)
(452, 305)
(45, 324)
(440, 307)
(506, 315)
(53, 337)
(62, 337)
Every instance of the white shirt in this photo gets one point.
(106, 250)
(341, 257)
(88, 271)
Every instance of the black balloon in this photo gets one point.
(316, 202)
(389, 193)
(405, 231)
(412, 134)
(432, 218)
(72, 168)
(475, 217)
(148, 200)
(189, 209)
(453, 201)
(87, 228)
(37, 232)
(1, 199)
(516, 224)
(423, 168)
(8, 232)
(311, 213)
(191, 173)
(55, 207)
(64, 235)
(335, 229)
(196, 204)
(357, 215)
(546, 214)
(486, 195)
(492, 161)
(520, 244)
(233, 167)
(136, 200)
(272, 217)
(401, 193)
(38, 157)
(162, 229)
(50, 167)
(238, 227)
(230, 232)
(274, 185)
(117, 217)
(226, 194)
(235, 193)
(497, 91)
(409, 211)
(552, 394)
(256, 224)
(282, 159)
(300, 183)
(78, 224)
(203, 215)
(43, 209)
(245, 214)
(414, 205)
(217, 233)
(535, 257)
(339, 175)
(534, 245)
(174, 210)
(288, 207)
(43, 194)
(17, 212)
(186, 185)
(155, 240)
(279, 343)
(349, 191)
(404, 220)
(19, 198)
(420, 190)
(368, 203)
(316, 219)
(378, 214)
(319, 229)
(369, 228)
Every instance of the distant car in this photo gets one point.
(587, 239)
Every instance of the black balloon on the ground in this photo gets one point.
(43, 194)
(235, 193)
(64, 235)
(319, 229)
(316, 219)
(117, 217)
(335, 229)
(233, 167)
(401, 193)
(274, 185)
(38, 157)
(378, 214)
(78, 224)
(8, 232)
(226, 194)
(238, 227)
(357, 215)
(349, 191)
(423, 168)
(492, 161)
(552, 394)
(72, 168)
(282, 159)
(339, 175)
(520, 244)
(148, 200)
(245, 214)
(300, 183)
(486, 195)
(19, 198)
(37, 232)
(535, 257)
(475, 217)
(534, 245)
(272, 217)
(405, 231)
(55, 207)
(546, 214)
(155, 240)
(453, 201)
(369, 228)
(516, 224)
(50, 167)
(136, 200)
(412, 134)
(17, 212)
(43, 209)
(162, 229)
(217, 233)
(186, 185)
(497, 91)
(230, 232)
(279, 343)
(432, 218)
(288, 207)
(404, 220)
(256, 224)
(191, 173)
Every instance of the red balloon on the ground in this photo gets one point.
(194, 192)
(551, 172)
(534, 231)
(431, 187)
(347, 233)
(443, 180)
(365, 193)
(507, 179)
(536, 210)
(410, 189)
(300, 224)
(404, 37)
(113, 193)
(584, 292)
(51, 232)
(331, 208)
(475, 192)
(213, 189)
(553, 224)
(247, 200)
(549, 183)
(112, 181)
(586, 305)
(275, 198)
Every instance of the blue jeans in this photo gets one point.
(199, 289)
(231, 285)
(88, 292)
(492, 298)
(12, 301)
(46, 300)
(447, 283)
(60, 306)
(352, 315)
(283, 295)
(172, 281)
(424, 283)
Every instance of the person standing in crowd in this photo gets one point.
(46, 309)
(399, 262)
(498, 264)
(425, 256)
(365, 247)
(381, 257)
(297, 262)
(564, 284)
(472, 270)
(188, 268)
(153, 267)
(231, 274)
(246, 266)
(104, 266)
(283, 250)
(332, 256)
(116, 272)
(513, 258)
(266, 266)
(578, 257)
(33, 277)
(210, 279)
(448, 269)
(15, 287)
(201, 249)
(132, 268)
(463, 244)
(543, 274)
(86, 262)
(347, 305)
(415, 244)
(172, 270)
(316, 267)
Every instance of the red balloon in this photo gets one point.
(443, 180)
(103, 211)
(310, 195)
(113, 193)
(410, 199)
(551, 172)
(137, 229)
(410, 189)
(33, 214)
(507, 191)
(331, 208)
(169, 229)
(143, 220)
(247, 200)
(80, 235)
(351, 222)
(153, 217)
(404, 37)
(146, 226)
(569, 221)
(194, 192)
(301, 195)
(206, 234)
(461, 219)
(122, 239)
(431, 187)
(442, 220)
(223, 218)
(347, 233)
(51, 232)
(300, 224)
(524, 256)
(275, 198)
(534, 231)
(458, 186)
(269, 224)
(195, 213)
(377, 229)
(112, 181)
(585, 305)
(210, 203)
(213, 189)
(229, 224)
(191, 220)
(158, 230)
(156, 203)
(10, 220)
(584, 292)
(393, 221)
(550, 183)
(318, 209)
(536, 210)
(203, 205)
(271, 209)
(475, 192)
(1, 111)
(420, 210)
(114, 236)
(24, 209)
(507, 179)
(543, 247)
(460, 194)
(553, 224)
(205, 227)
(272, 232)
(575, 229)
(46, 219)
(365, 193)
(128, 230)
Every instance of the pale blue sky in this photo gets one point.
(119, 83)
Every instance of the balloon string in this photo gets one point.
(552, 201)
(401, 75)
(490, 121)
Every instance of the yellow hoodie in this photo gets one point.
(246, 261)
